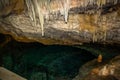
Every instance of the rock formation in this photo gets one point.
(104, 71)
(61, 21)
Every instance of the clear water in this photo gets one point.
(35, 61)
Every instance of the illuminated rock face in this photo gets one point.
(106, 71)
(61, 22)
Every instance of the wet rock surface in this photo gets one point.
(100, 71)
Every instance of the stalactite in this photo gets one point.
(100, 3)
(35, 9)
(93, 37)
(7, 2)
(61, 8)
(104, 26)
(97, 16)
(31, 13)
(103, 2)
(96, 19)
(91, 2)
(41, 16)
(115, 15)
(28, 3)
(85, 3)
(2, 3)
(115, 1)
(66, 9)
(48, 9)
(82, 4)
(94, 2)
(34, 15)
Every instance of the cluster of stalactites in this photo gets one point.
(35, 10)
(4, 3)
(42, 8)
(99, 3)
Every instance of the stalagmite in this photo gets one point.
(99, 59)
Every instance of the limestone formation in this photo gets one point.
(61, 21)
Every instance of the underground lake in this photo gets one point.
(36, 61)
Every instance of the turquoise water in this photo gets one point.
(35, 61)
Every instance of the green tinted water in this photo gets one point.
(38, 62)
(35, 61)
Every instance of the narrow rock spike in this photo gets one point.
(66, 9)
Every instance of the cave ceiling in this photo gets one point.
(61, 21)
